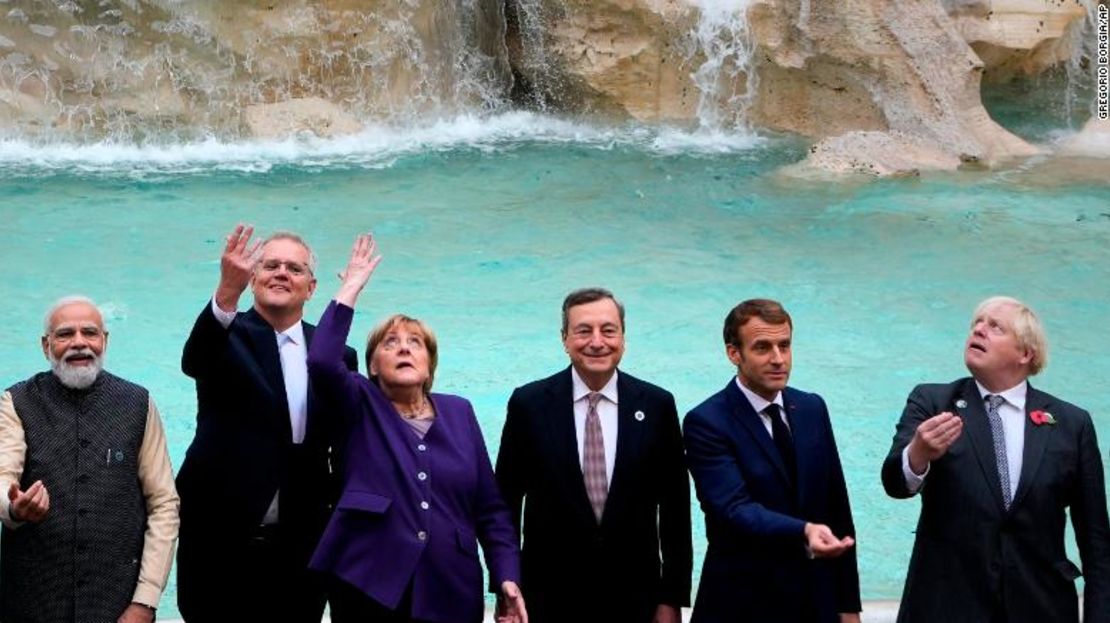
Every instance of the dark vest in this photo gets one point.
(81, 563)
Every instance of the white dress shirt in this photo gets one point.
(759, 403)
(1012, 412)
(293, 352)
(606, 414)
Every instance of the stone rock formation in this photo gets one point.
(310, 115)
(1019, 37)
(138, 68)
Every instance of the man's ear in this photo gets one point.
(46, 347)
(733, 353)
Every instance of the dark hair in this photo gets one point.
(766, 310)
(589, 295)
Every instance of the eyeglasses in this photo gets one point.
(296, 269)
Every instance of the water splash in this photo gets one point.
(726, 79)
(378, 146)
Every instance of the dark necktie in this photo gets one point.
(783, 441)
(999, 434)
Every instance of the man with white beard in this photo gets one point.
(87, 498)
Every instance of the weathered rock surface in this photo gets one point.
(312, 115)
(133, 68)
(1018, 37)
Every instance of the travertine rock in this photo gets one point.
(1018, 37)
(137, 68)
(299, 116)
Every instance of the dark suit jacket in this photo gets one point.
(413, 510)
(243, 450)
(972, 559)
(575, 569)
(756, 568)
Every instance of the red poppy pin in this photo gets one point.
(1042, 417)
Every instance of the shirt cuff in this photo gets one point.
(913, 481)
(146, 595)
(6, 511)
(222, 317)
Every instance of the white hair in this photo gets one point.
(66, 301)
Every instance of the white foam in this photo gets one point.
(377, 146)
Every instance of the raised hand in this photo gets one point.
(510, 604)
(30, 506)
(236, 267)
(932, 439)
(359, 268)
(823, 543)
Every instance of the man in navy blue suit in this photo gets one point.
(768, 475)
(256, 484)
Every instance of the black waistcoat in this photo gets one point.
(82, 562)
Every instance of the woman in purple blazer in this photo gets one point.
(419, 493)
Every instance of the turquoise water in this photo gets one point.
(483, 236)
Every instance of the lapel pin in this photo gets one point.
(961, 403)
(639, 415)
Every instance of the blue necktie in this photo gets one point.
(993, 403)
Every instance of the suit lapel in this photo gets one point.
(263, 346)
(564, 439)
(978, 431)
(310, 425)
(630, 433)
(1036, 439)
(743, 411)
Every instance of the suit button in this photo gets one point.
(421, 476)
(422, 448)
(83, 478)
(424, 505)
(423, 536)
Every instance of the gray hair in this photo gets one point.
(66, 301)
(295, 237)
(584, 296)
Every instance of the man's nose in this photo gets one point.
(776, 355)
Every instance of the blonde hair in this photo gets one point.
(1026, 327)
(379, 332)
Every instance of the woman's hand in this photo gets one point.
(359, 268)
(510, 604)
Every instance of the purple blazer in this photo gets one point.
(411, 510)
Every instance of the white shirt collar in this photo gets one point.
(295, 333)
(1015, 395)
(581, 390)
(759, 403)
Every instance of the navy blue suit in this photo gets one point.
(242, 454)
(756, 566)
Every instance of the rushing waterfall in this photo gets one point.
(726, 79)
(538, 82)
(182, 69)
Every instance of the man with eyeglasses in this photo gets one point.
(89, 507)
(256, 482)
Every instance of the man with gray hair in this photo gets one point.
(90, 512)
(256, 482)
(997, 464)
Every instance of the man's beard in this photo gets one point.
(76, 377)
